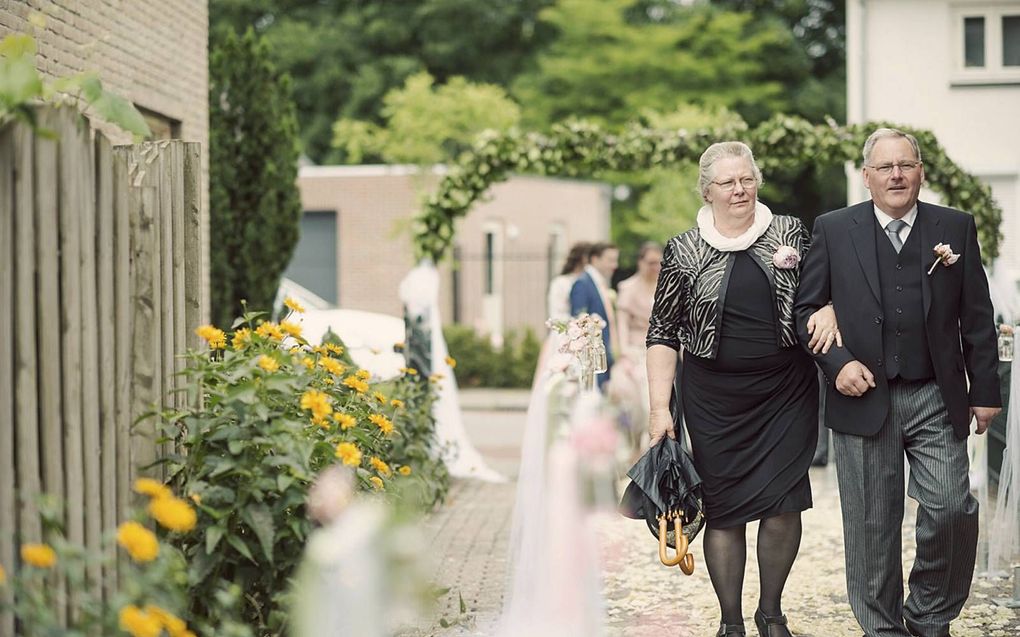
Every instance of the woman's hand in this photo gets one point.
(660, 423)
(824, 330)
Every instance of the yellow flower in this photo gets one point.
(316, 402)
(241, 340)
(379, 465)
(308, 362)
(197, 499)
(212, 335)
(349, 454)
(363, 374)
(268, 363)
(329, 381)
(451, 361)
(332, 366)
(334, 348)
(410, 371)
(3, 576)
(38, 555)
(173, 624)
(382, 422)
(138, 541)
(173, 513)
(139, 623)
(291, 328)
(294, 305)
(152, 488)
(356, 384)
(404, 471)
(398, 347)
(435, 378)
(380, 397)
(320, 421)
(396, 402)
(376, 482)
(346, 421)
(294, 350)
(269, 330)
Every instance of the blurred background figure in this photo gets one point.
(558, 299)
(591, 294)
(629, 387)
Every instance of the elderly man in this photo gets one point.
(906, 281)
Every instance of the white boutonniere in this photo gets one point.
(943, 254)
(785, 258)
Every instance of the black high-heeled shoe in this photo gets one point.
(766, 622)
(735, 630)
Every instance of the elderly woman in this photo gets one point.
(750, 393)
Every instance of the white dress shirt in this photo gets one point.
(909, 219)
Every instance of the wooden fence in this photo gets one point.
(100, 291)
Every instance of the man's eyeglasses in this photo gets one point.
(904, 166)
(730, 184)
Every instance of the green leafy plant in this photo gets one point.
(22, 87)
(268, 413)
(479, 363)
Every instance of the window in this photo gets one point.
(490, 261)
(314, 263)
(974, 42)
(987, 44)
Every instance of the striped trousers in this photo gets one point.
(871, 475)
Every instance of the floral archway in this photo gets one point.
(580, 148)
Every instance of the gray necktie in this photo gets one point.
(893, 230)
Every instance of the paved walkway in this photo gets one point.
(468, 539)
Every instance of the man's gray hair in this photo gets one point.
(714, 153)
(883, 133)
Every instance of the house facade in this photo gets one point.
(953, 67)
(355, 245)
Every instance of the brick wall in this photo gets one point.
(374, 207)
(152, 52)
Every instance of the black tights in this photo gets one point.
(726, 553)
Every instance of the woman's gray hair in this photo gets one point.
(714, 153)
(883, 133)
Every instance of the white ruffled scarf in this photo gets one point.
(714, 238)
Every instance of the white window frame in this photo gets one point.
(993, 72)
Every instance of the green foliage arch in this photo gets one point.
(584, 149)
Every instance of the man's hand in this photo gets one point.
(984, 416)
(660, 423)
(854, 379)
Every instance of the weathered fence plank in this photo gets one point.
(105, 241)
(48, 303)
(8, 504)
(25, 392)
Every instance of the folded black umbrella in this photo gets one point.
(665, 491)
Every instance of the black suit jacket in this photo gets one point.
(842, 266)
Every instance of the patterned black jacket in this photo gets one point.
(692, 287)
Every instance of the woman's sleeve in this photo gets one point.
(667, 308)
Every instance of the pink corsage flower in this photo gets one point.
(785, 258)
(944, 255)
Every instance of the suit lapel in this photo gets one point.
(862, 233)
(931, 233)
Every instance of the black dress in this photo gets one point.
(752, 412)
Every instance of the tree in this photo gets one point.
(345, 55)
(426, 124)
(254, 203)
(607, 67)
